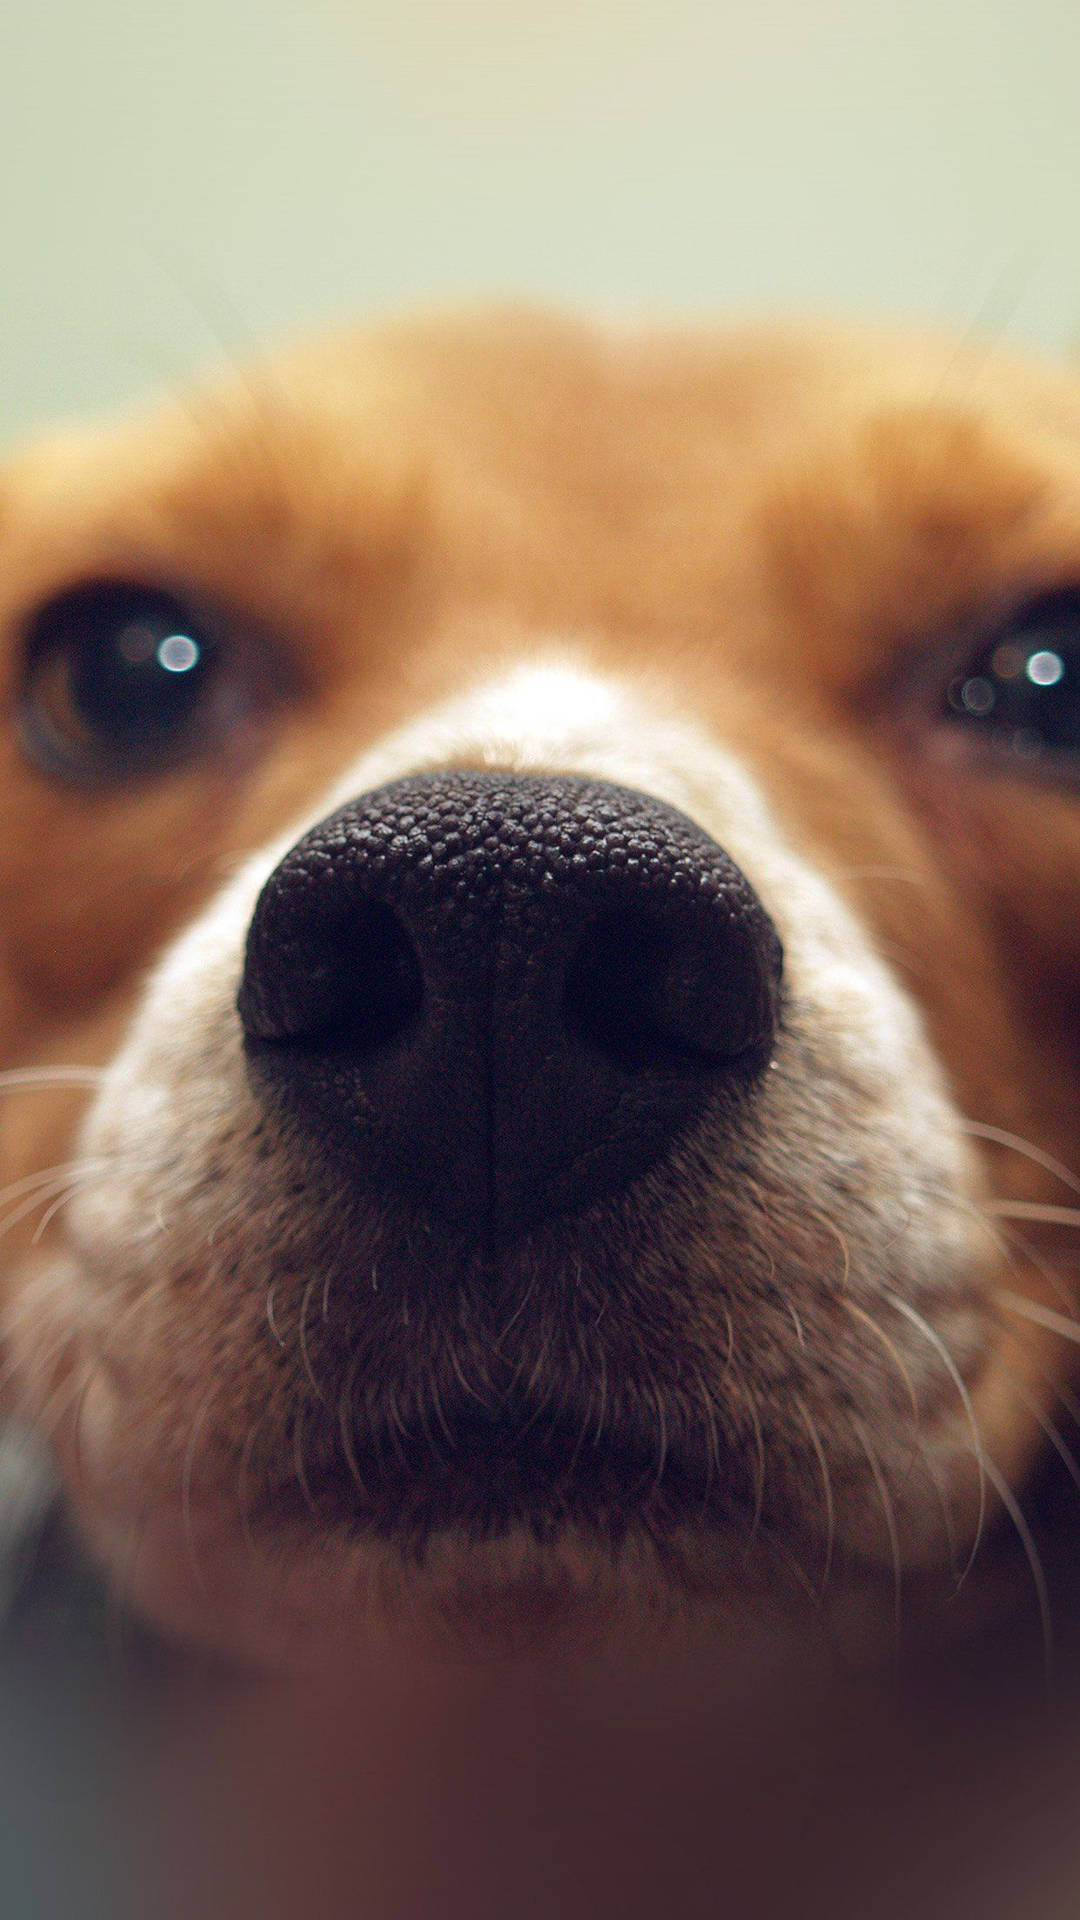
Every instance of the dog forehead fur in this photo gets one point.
(754, 535)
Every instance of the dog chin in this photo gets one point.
(294, 1602)
(302, 1587)
(295, 1593)
(292, 1588)
(297, 1602)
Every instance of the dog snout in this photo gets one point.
(490, 999)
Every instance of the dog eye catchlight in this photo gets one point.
(1021, 692)
(118, 680)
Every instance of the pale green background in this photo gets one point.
(179, 180)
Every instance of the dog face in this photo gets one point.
(563, 846)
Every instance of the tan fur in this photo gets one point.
(755, 538)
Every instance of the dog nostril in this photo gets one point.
(492, 998)
(642, 992)
(341, 978)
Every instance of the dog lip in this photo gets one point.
(485, 1476)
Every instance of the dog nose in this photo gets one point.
(492, 998)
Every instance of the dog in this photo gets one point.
(540, 977)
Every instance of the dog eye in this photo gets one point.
(119, 680)
(1021, 692)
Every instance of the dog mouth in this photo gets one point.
(465, 1409)
(522, 1467)
(562, 1385)
(375, 1290)
(372, 1387)
(371, 1400)
(522, 1523)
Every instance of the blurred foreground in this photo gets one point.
(694, 1781)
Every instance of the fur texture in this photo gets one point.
(738, 572)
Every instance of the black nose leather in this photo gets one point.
(491, 998)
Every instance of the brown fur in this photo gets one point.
(776, 532)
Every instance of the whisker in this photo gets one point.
(270, 1319)
(1008, 1243)
(62, 1170)
(304, 1353)
(868, 1321)
(934, 1476)
(14, 1079)
(186, 1477)
(299, 1461)
(831, 1227)
(120, 1589)
(783, 1555)
(1001, 1137)
(243, 1498)
(713, 1437)
(759, 1471)
(1012, 1243)
(601, 1397)
(1033, 1557)
(1044, 1422)
(66, 1401)
(827, 1491)
(1034, 1210)
(993, 312)
(398, 1431)
(661, 1435)
(435, 1399)
(923, 1326)
(525, 1299)
(534, 1380)
(1071, 1405)
(345, 1428)
(468, 1389)
(45, 1190)
(1042, 1316)
(77, 1187)
(1068, 1400)
(888, 1511)
(583, 1429)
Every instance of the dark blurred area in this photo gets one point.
(693, 1777)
